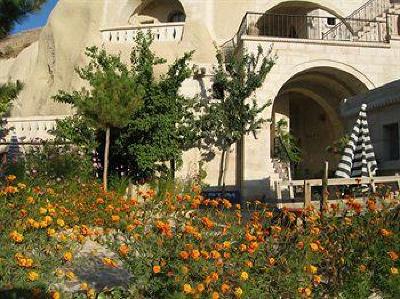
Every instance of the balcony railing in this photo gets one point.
(28, 130)
(163, 32)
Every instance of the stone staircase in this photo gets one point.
(375, 21)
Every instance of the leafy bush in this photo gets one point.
(52, 161)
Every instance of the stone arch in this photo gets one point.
(318, 63)
(157, 11)
(308, 97)
(327, 5)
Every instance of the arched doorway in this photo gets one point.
(309, 102)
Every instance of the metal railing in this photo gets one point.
(309, 27)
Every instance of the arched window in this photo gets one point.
(176, 17)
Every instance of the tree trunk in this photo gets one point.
(221, 168)
(106, 156)
(226, 166)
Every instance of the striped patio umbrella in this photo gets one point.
(358, 159)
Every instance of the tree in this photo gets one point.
(8, 92)
(114, 95)
(160, 130)
(232, 114)
(14, 11)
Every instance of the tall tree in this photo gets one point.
(115, 94)
(14, 11)
(234, 112)
(160, 130)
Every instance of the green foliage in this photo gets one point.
(160, 130)
(52, 161)
(14, 11)
(114, 91)
(230, 116)
(287, 149)
(8, 92)
(75, 130)
(339, 145)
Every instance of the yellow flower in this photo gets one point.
(84, 286)
(11, 178)
(238, 292)
(42, 211)
(51, 232)
(109, 262)
(91, 293)
(314, 247)
(30, 200)
(115, 218)
(70, 275)
(311, 269)
(59, 272)
(16, 237)
(227, 245)
(68, 256)
(244, 276)
(60, 222)
(394, 271)
(215, 295)
(187, 288)
(32, 276)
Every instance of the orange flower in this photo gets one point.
(271, 261)
(123, 249)
(207, 222)
(55, 295)
(385, 232)
(225, 288)
(187, 288)
(300, 245)
(393, 255)
(115, 218)
(215, 295)
(317, 279)
(362, 268)
(215, 254)
(16, 237)
(242, 247)
(200, 288)
(184, 255)
(156, 269)
(23, 261)
(195, 254)
(305, 292)
(214, 276)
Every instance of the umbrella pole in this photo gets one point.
(371, 178)
(325, 194)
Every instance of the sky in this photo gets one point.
(37, 19)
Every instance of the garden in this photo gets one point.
(64, 233)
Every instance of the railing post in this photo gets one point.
(307, 194)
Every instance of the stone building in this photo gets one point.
(328, 51)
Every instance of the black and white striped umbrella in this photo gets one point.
(358, 159)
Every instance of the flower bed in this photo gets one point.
(176, 245)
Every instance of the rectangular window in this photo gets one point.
(331, 21)
(391, 146)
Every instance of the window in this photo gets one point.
(391, 146)
(176, 17)
(331, 21)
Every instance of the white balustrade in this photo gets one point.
(163, 32)
(29, 129)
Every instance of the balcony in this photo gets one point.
(313, 29)
(162, 32)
